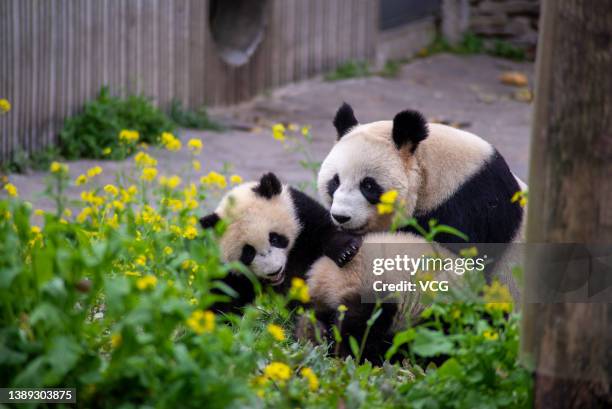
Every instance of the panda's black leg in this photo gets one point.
(342, 246)
(243, 286)
(354, 324)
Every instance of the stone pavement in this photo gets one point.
(458, 89)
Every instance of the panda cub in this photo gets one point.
(442, 173)
(277, 232)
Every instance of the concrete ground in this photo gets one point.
(457, 89)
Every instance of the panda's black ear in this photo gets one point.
(269, 186)
(409, 127)
(209, 221)
(344, 120)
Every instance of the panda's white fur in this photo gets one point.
(251, 218)
(425, 174)
(330, 285)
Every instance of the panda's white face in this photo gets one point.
(268, 260)
(261, 229)
(358, 170)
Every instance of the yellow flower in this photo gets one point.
(193, 301)
(520, 197)
(171, 182)
(111, 189)
(5, 105)
(147, 282)
(80, 180)
(85, 213)
(195, 145)
(113, 222)
(196, 165)
(490, 335)
(92, 199)
(214, 179)
(191, 204)
(170, 142)
(148, 174)
(118, 205)
(128, 136)
(299, 290)
(235, 179)
(309, 375)
(57, 167)
(305, 131)
(39, 212)
(35, 230)
(116, 340)
(387, 200)
(278, 132)
(190, 233)
(497, 297)
(175, 204)
(93, 172)
(145, 160)
(201, 321)
(278, 371)
(276, 332)
(168, 250)
(141, 260)
(107, 151)
(342, 308)
(11, 189)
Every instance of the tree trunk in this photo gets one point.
(570, 198)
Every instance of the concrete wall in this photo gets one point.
(56, 54)
(513, 20)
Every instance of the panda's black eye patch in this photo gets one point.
(333, 185)
(371, 190)
(278, 240)
(248, 254)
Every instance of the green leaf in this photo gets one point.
(428, 343)
(400, 339)
(354, 346)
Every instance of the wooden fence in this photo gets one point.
(57, 54)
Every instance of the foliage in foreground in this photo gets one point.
(111, 295)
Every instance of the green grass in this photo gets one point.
(192, 119)
(473, 44)
(349, 69)
(23, 161)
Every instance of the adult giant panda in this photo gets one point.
(280, 233)
(443, 173)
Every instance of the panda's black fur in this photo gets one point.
(480, 207)
(317, 237)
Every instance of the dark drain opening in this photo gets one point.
(237, 27)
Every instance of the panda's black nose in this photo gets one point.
(341, 218)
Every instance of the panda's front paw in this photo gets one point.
(343, 247)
